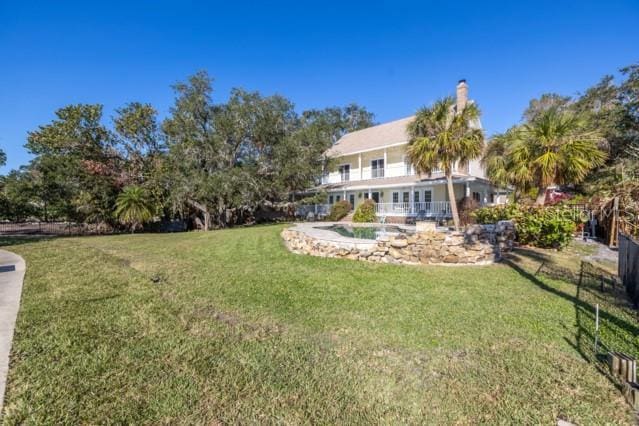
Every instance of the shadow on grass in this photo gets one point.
(15, 240)
(585, 313)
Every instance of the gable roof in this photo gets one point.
(380, 136)
(387, 134)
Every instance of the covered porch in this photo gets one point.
(424, 209)
(420, 200)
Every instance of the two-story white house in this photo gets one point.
(372, 163)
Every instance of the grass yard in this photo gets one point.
(229, 327)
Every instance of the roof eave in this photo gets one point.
(339, 154)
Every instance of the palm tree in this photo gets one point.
(133, 207)
(499, 165)
(441, 137)
(556, 147)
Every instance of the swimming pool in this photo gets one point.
(365, 232)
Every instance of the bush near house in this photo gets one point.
(493, 214)
(466, 206)
(365, 212)
(545, 227)
(339, 210)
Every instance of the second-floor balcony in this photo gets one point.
(365, 173)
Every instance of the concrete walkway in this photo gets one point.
(12, 269)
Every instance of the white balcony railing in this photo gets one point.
(318, 210)
(425, 209)
(377, 173)
(355, 174)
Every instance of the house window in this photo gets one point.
(345, 172)
(351, 200)
(338, 198)
(428, 196)
(416, 197)
(406, 197)
(395, 197)
(492, 197)
(408, 167)
(477, 196)
(330, 199)
(377, 168)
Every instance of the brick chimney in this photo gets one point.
(462, 95)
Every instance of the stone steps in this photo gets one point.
(348, 217)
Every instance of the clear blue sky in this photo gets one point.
(391, 57)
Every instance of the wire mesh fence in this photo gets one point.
(52, 228)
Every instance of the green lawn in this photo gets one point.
(229, 327)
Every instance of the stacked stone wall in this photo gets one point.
(479, 244)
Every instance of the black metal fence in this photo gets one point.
(74, 228)
(52, 228)
(629, 265)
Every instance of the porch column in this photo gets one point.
(359, 162)
(369, 194)
(385, 161)
(344, 195)
(411, 199)
(467, 189)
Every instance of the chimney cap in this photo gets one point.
(462, 80)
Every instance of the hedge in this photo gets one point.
(545, 227)
(365, 212)
(339, 210)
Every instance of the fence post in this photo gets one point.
(613, 241)
(596, 328)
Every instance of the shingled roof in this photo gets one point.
(392, 133)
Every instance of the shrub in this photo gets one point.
(339, 210)
(365, 212)
(546, 227)
(466, 206)
(490, 215)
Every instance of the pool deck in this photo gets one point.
(312, 229)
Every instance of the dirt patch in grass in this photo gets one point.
(203, 321)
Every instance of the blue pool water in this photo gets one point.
(365, 232)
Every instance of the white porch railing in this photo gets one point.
(433, 209)
(316, 209)
(425, 209)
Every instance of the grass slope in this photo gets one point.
(228, 326)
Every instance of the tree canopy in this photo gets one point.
(214, 162)
(590, 142)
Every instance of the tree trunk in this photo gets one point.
(205, 212)
(541, 196)
(452, 200)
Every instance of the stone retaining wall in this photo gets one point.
(479, 244)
